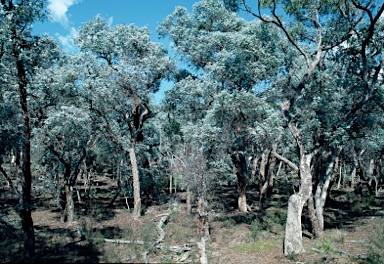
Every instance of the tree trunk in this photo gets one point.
(322, 191)
(203, 223)
(189, 206)
(267, 186)
(25, 202)
(69, 204)
(202, 253)
(313, 217)
(240, 163)
(136, 184)
(203, 226)
(293, 243)
(356, 166)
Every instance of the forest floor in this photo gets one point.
(111, 234)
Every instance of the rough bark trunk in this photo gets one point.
(356, 165)
(136, 184)
(70, 206)
(25, 202)
(266, 188)
(189, 206)
(202, 216)
(240, 163)
(313, 217)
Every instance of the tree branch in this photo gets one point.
(284, 159)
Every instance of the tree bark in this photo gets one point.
(203, 226)
(322, 191)
(136, 184)
(25, 202)
(70, 206)
(189, 205)
(293, 243)
(313, 217)
(240, 163)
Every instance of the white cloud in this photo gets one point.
(58, 10)
(66, 42)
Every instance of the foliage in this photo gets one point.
(83, 112)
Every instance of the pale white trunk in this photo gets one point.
(203, 226)
(322, 191)
(340, 176)
(203, 255)
(293, 243)
(242, 203)
(353, 176)
(136, 184)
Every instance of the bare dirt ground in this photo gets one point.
(111, 235)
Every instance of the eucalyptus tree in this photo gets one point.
(234, 55)
(122, 69)
(314, 29)
(21, 54)
(68, 134)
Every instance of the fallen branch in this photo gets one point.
(121, 241)
(358, 256)
(179, 249)
(161, 237)
(357, 241)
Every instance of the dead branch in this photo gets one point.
(161, 237)
(122, 241)
(358, 256)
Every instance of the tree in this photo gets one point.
(230, 55)
(68, 131)
(20, 54)
(122, 68)
(314, 36)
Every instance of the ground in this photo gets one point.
(234, 237)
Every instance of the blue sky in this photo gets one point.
(68, 15)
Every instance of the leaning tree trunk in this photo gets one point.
(293, 243)
(136, 184)
(321, 194)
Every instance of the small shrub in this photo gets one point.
(229, 222)
(339, 237)
(255, 231)
(325, 244)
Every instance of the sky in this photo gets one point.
(66, 16)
